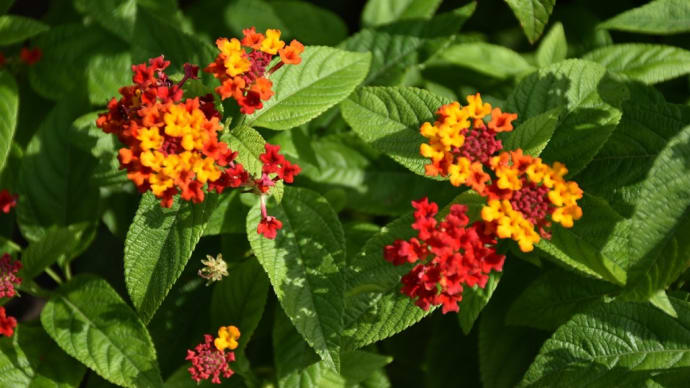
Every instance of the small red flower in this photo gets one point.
(7, 200)
(272, 159)
(209, 362)
(30, 56)
(288, 171)
(8, 276)
(269, 227)
(7, 324)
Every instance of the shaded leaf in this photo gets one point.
(553, 48)
(485, 58)
(533, 135)
(9, 106)
(533, 15)
(377, 12)
(659, 17)
(14, 29)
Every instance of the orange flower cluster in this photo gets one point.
(171, 145)
(241, 66)
(523, 192)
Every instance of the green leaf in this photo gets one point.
(240, 298)
(533, 15)
(53, 181)
(310, 24)
(5, 5)
(533, 134)
(9, 106)
(658, 17)
(398, 48)
(474, 299)
(31, 359)
(104, 147)
(586, 93)
(106, 73)
(290, 351)
(249, 145)
(658, 240)
(553, 48)
(661, 301)
(116, 16)
(14, 29)
(159, 243)
(325, 77)
(89, 321)
(58, 244)
(582, 247)
(619, 343)
(228, 217)
(649, 63)
(554, 297)
(485, 58)
(377, 12)
(304, 264)
(389, 119)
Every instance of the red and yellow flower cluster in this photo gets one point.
(8, 281)
(241, 66)
(449, 254)
(209, 359)
(523, 194)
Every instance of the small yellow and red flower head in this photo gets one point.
(209, 359)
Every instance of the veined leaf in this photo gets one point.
(533, 15)
(31, 359)
(533, 135)
(309, 23)
(159, 243)
(586, 93)
(14, 29)
(58, 244)
(490, 59)
(106, 73)
(89, 321)
(304, 264)
(389, 119)
(325, 77)
(103, 146)
(9, 106)
(553, 48)
(619, 343)
(229, 216)
(474, 299)
(659, 17)
(116, 16)
(377, 12)
(649, 63)
(291, 352)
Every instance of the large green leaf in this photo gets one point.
(9, 106)
(588, 97)
(291, 352)
(54, 178)
(89, 321)
(116, 16)
(533, 134)
(103, 146)
(474, 299)
(657, 17)
(31, 359)
(649, 63)
(304, 264)
(389, 119)
(533, 15)
(159, 243)
(249, 145)
(325, 77)
(106, 73)
(485, 58)
(229, 216)
(240, 298)
(554, 297)
(613, 344)
(553, 48)
(377, 12)
(308, 23)
(14, 29)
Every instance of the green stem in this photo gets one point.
(13, 245)
(53, 275)
(68, 271)
(32, 288)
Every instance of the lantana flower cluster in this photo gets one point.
(524, 195)
(8, 283)
(210, 360)
(449, 254)
(242, 66)
(171, 144)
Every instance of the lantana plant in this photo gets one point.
(256, 193)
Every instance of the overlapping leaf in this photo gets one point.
(649, 63)
(14, 29)
(533, 15)
(9, 106)
(553, 48)
(377, 12)
(656, 17)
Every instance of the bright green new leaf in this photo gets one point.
(589, 98)
(485, 58)
(659, 17)
(533, 15)
(89, 321)
(533, 134)
(619, 343)
(325, 77)
(389, 119)
(14, 29)
(159, 243)
(649, 63)
(377, 12)
(239, 299)
(304, 264)
(9, 106)
(31, 359)
(553, 48)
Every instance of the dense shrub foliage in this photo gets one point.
(340, 194)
